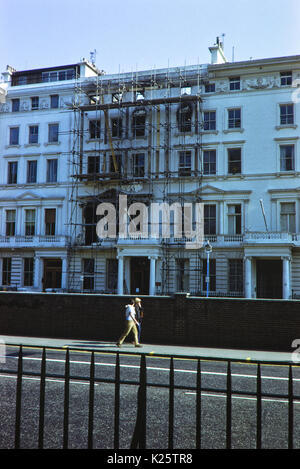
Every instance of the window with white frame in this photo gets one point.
(31, 171)
(118, 161)
(184, 117)
(35, 102)
(234, 219)
(209, 120)
(50, 221)
(288, 217)
(138, 165)
(234, 83)
(234, 118)
(116, 127)
(234, 160)
(29, 222)
(53, 133)
(12, 175)
(52, 170)
(93, 164)
(185, 163)
(88, 273)
(10, 225)
(6, 270)
(287, 157)
(54, 101)
(286, 114)
(94, 129)
(15, 105)
(33, 134)
(139, 123)
(28, 264)
(14, 133)
(210, 87)
(210, 219)
(209, 162)
(286, 78)
(235, 275)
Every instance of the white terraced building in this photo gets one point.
(224, 134)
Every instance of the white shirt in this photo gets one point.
(130, 312)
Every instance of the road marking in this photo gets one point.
(203, 394)
(178, 370)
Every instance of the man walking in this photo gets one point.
(131, 325)
(139, 315)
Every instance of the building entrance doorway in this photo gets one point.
(139, 275)
(269, 279)
(52, 273)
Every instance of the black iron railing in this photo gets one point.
(139, 437)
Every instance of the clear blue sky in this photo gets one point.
(131, 35)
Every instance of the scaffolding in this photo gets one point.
(128, 116)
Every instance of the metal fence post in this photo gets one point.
(42, 400)
(19, 399)
(117, 403)
(228, 407)
(139, 435)
(198, 407)
(171, 405)
(66, 401)
(91, 402)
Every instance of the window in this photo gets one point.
(15, 105)
(235, 275)
(209, 120)
(31, 171)
(29, 222)
(209, 162)
(88, 274)
(50, 218)
(139, 165)
(28, 272)
(10, 223)
(112, 275)
(288, 217)
(93, 164)
(6, 271)
(117, 97)
(139, 123)
(184, 117)
(53, 133)
(58, 75)
(54, 101)
(35, 102)
(234, 83)
(185, 161)
(210, 88)
(286, 114)
(52, 170)
(116, 127)
(33, 134)
(14, 135)
(118, 161)
(234, 161)
(210, 220)
(12, 172)
(212, 274)
(182, 274)
(94, 129)
(286, 78)
(234, 219)
(234, 118)
(287, 162)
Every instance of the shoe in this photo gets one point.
(138, 345)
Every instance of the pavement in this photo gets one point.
(152, 349)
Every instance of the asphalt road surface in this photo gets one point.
(213, 401)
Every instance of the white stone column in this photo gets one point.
(152, 276)
(286, 287)
(120, 275)
(64, 273)
(37, 273)
(248, 277)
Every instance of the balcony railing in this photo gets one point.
(37, 240)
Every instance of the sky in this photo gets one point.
(133, 35)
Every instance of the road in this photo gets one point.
(213, 400)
